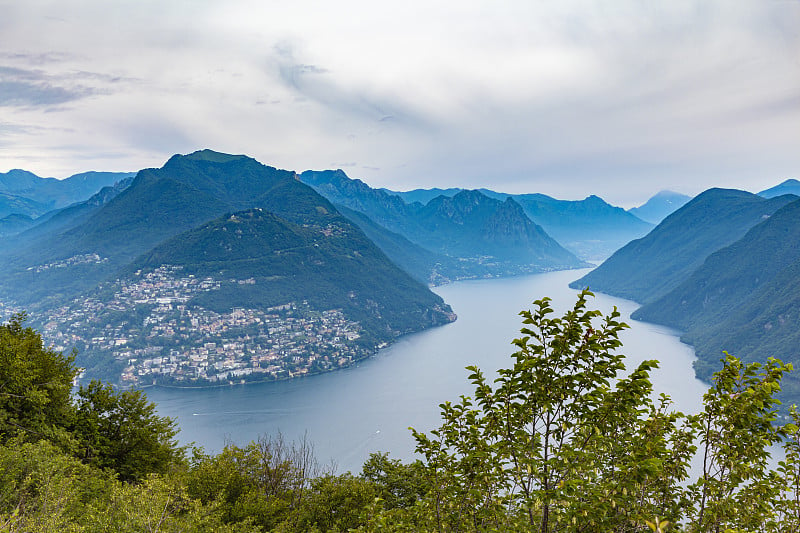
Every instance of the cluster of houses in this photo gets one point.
(147, 324)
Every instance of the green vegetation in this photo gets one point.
(743, 298)
(562, 440)
(331, 267)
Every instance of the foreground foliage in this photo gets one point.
(563, 440)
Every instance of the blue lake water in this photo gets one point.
(351, 413)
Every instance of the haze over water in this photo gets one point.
(351, 413)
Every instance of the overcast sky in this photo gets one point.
(568, 98)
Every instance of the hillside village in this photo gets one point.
(154, 333)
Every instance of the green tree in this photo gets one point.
(35, 384)
(121, 431)
(736, 430)
(265, 482)
(560, 441)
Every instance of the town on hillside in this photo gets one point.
(147, 325)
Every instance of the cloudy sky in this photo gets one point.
(618, 98)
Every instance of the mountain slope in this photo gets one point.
(331, 267)
(731, 275)
(744, 299)
(12, 204)
(790, 186)
(54, 193)
(422, 264)
(591, 228)
(660, 206)
(648, 268)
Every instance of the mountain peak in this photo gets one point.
(790, 186)
(211, 156)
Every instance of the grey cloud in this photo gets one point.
(319, 84)
(35, 88)
(24, 94)
(37, 59)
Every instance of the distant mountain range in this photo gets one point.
(218, 269)
(660, 206)
(724, 269)
(469, 233)
(34, 196)
(590, 228)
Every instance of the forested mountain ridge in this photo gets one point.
(331, 267)
(745, 299)
(647, 268)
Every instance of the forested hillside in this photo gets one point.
(648, 268)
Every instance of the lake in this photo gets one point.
(353, 412)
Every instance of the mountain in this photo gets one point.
(12, 204)
(590, 228)
(423, 196)
(58, 219)
(657, 208)
(54, 193)
(211, 268)
(331, 267)
(790, 186)
(650, 267)
(13, 224)
(745, 298)
(471, 223)
(487, 236)
(422, 264)
(160, 203)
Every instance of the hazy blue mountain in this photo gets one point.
(790, 186)
(13, 224)
(745, 298)
(388, 210)
(590, 228)
(650, 267)
(12, 204)
(471, 222)
(54, 193)
(59, 220)
(423, 196)
(491, 237)
(657, 208)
